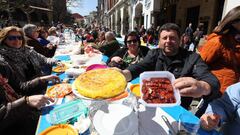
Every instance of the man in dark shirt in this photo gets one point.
(110, 46)
(193, 77)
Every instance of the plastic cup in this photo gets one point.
(188, 124)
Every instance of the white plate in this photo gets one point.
(150, 121)
(115, 119)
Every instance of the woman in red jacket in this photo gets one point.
(222, 49)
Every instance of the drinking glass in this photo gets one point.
(188, 124)
(131, 101)
(93, 108)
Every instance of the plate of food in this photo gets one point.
(59, 90)
(60, 68)
(99, 84)
(119, 97)
(61, 129)
(96, 66)
(157, 90)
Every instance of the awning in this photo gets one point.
(41, 8)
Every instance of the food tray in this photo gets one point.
(159, 74)
(66, 111)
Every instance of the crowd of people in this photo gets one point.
(26, 59)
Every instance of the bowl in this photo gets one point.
(74, 72)
(96, 66)
(164, 92)
(79, 59)
(135, 89)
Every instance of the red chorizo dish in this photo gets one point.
(158, 90)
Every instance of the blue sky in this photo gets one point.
(84, 7)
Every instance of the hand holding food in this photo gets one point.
(53, 78)
(50, 46)
(191, 87)
(60, 64)
(117, 59)
(38, 101)
(60, 68)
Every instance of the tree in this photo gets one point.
(10, 6)
(68, 18)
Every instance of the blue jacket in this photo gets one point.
(228, 107)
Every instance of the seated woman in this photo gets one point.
(101, 39)
(26, 64)
(54, 37)
(132, 53)
(42, 38)
(224, 112)
(18, 114)
(32, 34)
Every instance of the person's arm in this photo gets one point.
(24, 87)
(211, 51)
(147, 64)
(190, 87)
(10, 112)
(120, 53)
(202, 73)
(42, 59)
(39, 48)
(226, 107)
(35, 84)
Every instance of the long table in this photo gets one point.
(174, 112)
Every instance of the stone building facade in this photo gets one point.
(123, 15)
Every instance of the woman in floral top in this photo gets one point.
(132, 53)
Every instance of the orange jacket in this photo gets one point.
(223, 60)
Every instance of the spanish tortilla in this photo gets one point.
(101, 83)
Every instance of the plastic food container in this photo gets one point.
(79, 59)
(159, 74)
(63, 113)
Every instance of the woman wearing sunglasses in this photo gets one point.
(132, 53)
(26, 64)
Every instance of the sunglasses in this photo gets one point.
(11, 38)
(132, 41)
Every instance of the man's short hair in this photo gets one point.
(29, 29)
(109, 36)
(170, 26)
